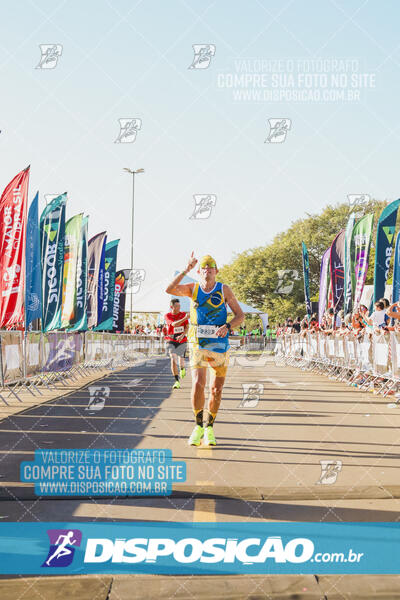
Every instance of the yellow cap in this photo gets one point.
(207, 261)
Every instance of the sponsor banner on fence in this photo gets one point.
(80, 315)
(110, 264)
(13, 203)
(33, 291)
(95, 269)
(72, 247)
(73, 548)
(60, 351)
(52, 232)
(384, 247)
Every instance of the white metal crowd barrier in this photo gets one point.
(370, 361)
(38, 358)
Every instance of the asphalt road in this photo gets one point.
(266, 465)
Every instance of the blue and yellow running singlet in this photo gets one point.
(208, 313)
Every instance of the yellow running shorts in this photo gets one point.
(217, 361)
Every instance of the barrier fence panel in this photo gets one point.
(371, 361)
(395, 350)
(321, 347)
(33, 342)
(11, 356)
(24, 358)
(94, 347)
(365, 353)
(351, 352)
(381, 355)
(313, 345)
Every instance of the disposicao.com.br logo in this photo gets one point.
(189, 550)
(207, 548)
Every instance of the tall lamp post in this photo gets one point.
(133, 173)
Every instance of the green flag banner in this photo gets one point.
(80, 314)
(52, 232)
(359, 251)
(348, 289)
(72, 245)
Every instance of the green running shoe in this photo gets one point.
(177, 385)
(182, 373)
(197, 434)
(209, 437)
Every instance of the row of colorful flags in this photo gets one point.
(345, 263)
(50, 270)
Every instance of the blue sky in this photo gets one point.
(130, 59)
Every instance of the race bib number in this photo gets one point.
(206, 331)
(180, 329)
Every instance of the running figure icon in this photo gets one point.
(62, 549)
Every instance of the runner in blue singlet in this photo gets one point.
(208, 340)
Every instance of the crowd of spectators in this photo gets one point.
(383, 318)
(153, 330)
(158, 330)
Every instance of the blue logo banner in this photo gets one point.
(383, 247)
(33, 289)
(199, 548)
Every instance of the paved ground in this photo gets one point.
(239, 587)
(266, 465)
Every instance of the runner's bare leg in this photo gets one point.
(216, 386)
(199, 379)
(174, 363)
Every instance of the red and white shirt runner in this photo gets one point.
(173, 331)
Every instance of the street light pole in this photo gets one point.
(132, 229)
(133, 173)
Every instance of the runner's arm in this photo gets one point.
(184, 334)
(180, 321)
(235, 307)
(175, 289)
(231, 300)
(186, 289)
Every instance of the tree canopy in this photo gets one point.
(254, 274)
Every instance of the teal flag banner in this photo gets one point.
(52, 235)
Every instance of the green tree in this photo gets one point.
(253, 274)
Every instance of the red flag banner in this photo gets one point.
(13, 207)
